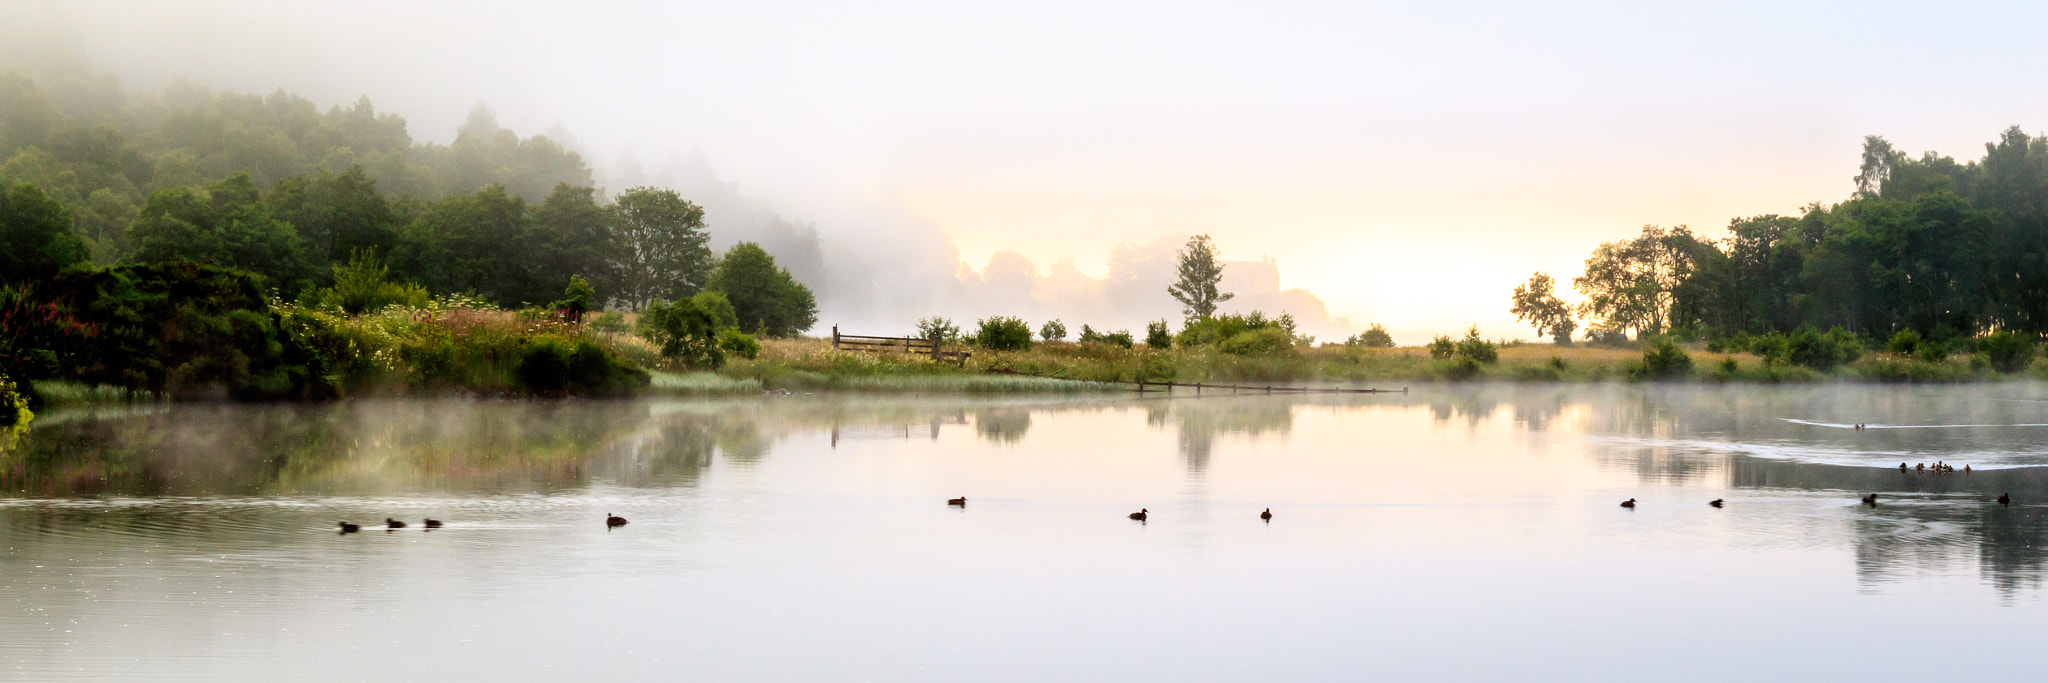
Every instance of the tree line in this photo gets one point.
(1927, 245)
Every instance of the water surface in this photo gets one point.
(1451, 533)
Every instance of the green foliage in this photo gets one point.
(1257, 342)
(1822, 351)
(576, 298)
(1442, 347)
(1537, 303)
(938, 329)
(1158, 335)
(1200, 271)
(1214, 330)
(551, 365)
(1665, 360)
(737, 343)
(14, 412)
(2007, 351)
(1632, 284)
(687, 333)
(719, 307)
(767, 299)
(666, 254)
(227, 225)
(1000, 333)
(36, 237)
(183, 329)
(362, 286)
(1477, 349)
(1374, 337)
(1053, 330)
(1905, 343)
(1120, 338)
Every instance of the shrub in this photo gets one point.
(1158, 335)
(550, 365)
(1477, 349)
(718, 307)
(686, 332)
(14, 412)
(609, 321)
(1001, 333)
(1442, 347)
(1119, 338)
(735, 342)
(544, 366)
(938, 329)
(1375, 337)
(1053, 330)
(1258, 342)
(2007, 351)
(1822, 351)
(1665, 361)
(1905, 343)
(576, 299)
(362, 286)
(1215, 329)
(1933, 353)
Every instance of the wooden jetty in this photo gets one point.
(905, 345)
(1144, 386)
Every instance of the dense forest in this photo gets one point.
(1944, 250)
(190, 238)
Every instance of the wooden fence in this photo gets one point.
(905, 345)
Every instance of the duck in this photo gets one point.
(1966, 469)
(1141, 514)
(348, 528)
(1902, 467)
(960, 502)
(1630, 503)
(2005, 499)
(1870, 500)
(1715, 502)
(1267, 515)
(390, 523)
(611, 520)
(431, 523)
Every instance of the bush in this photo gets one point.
(1158, 335)
(14, 412)
(1905, 343)
(1933, 353)
(609, 321)
(1375, 337)
(1258, 342)
(1666, 361)
(2007, 351)
(1822, 351)
(1477, 349)
(1118, 338)
(1053, 330)
(686, 332)
(1442, 347)
(718, 307)
(1215, 330)
(550, 365)
(362, 286)
(735, 342)
(938, 329)
(999, 333)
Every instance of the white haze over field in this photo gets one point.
(1409, 163)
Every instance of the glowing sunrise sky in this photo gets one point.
(1407, 162)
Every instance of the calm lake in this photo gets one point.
(1452, 533)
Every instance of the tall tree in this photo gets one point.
(1536, 302)
(1630, 284)
(228, 225)
(764, 296)
(337, 215)
(36, 239)
(662, 252)
(1199, 273)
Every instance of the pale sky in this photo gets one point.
(1407, 162)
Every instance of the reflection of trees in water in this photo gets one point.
(1200, 421)
(1003, 425)
(1926, 522)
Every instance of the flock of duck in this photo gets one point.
(610, 521)
(2004, 499)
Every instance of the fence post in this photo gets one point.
(835, 339)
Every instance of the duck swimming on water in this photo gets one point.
(1141, 514)
(1267, 515)
(2005, 499)
(960, 502)
(1870, 500)
(390, 523)
(1630, 503)
(611, 520)
(348, 528)
(431, 523)
(1715, 502)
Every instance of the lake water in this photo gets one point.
(1452, 533)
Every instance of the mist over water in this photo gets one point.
(807, 536)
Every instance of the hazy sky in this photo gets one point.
(1408, 162)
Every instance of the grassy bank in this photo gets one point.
(811, 364)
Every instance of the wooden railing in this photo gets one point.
(905, 345)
